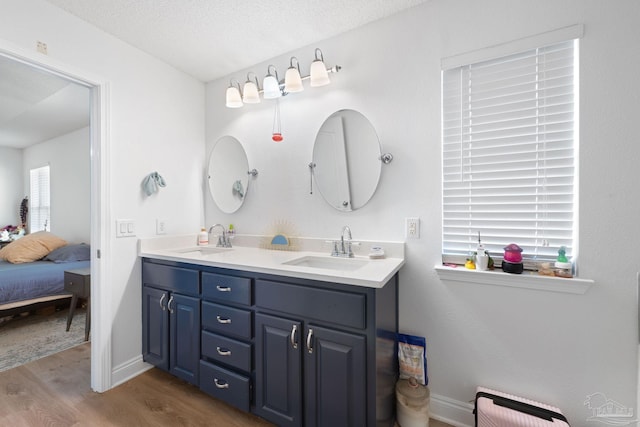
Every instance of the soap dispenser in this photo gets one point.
(203, 237)
(482, 257)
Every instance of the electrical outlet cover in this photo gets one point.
(412, 228)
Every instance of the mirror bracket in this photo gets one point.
(253, 172)
(386, 158)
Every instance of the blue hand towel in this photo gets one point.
(151, 183)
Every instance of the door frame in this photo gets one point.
(100, 203)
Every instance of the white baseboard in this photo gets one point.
(128, 370)
(450, 411)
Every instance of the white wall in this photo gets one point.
(549, 346)
(10, 185)
(70, 178)
(156, 123)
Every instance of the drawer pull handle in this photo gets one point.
(162, 299)
(309, 338)
(223, 320)
(294, 340)
(220, 384)
(223, 351)
(169, 305)
(221, 288)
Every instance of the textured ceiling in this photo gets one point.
(209, 39)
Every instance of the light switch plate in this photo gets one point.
(125, 228)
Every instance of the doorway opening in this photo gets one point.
(96, 197)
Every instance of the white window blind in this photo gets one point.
(40, 200)
(509, 128)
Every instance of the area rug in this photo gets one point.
(24, 339)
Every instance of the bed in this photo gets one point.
(27, 284)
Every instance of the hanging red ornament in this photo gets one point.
(277, 133)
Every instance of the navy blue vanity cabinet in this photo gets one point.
(325, 353)
(171, 319)
(227, 333)
(279, 369)
(293, 351)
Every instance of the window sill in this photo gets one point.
(526, 280)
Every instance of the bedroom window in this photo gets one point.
(39, 200)
(509, 152)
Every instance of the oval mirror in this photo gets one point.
(346, 160)
(228, 174)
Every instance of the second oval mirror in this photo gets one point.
(346, 160)
(228, 174)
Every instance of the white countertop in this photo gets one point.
(247, 255)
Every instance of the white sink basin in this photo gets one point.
(328, 263)
(201, 250)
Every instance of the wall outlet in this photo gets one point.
(161, 226)
(412, 228)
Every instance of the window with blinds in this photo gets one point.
(509, 147)
(39, 200)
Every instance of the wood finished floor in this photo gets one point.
(55, 392)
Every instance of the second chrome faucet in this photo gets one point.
(344, 246)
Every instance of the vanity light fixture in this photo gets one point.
(271, 84)
(292, 78)
(250, 95)
(234, 96)
(319, 75)
(273, 87)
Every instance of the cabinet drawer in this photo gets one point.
(219, 287)
(337, 307)
(79, 284)
(226, 320)
(225, 385)
(225, 350)
(177, 279)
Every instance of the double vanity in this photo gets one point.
(299, 338)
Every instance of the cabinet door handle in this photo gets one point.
(223, 351)
(162, 299)
(223, 320)
(309, 338)
(169, 305)
(293, 338)
(221, 288)
(220, 384)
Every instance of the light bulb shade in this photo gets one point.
(250, 95)
(234, 100)
(271, 88)
(293, 81)
(319, 74)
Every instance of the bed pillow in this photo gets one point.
(31, 247)
(70, 253)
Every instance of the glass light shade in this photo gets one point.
(234, 100)
(293, 81)
(251, 95)
(271, 87)
(319, 74)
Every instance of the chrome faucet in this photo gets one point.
(223, 240)
(345, 250)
